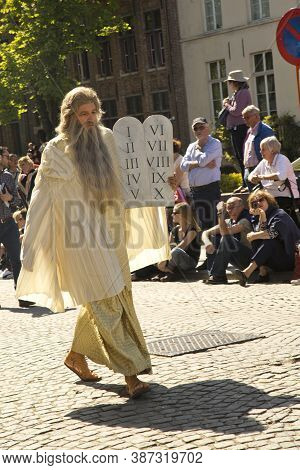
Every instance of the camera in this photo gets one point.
(255, 205)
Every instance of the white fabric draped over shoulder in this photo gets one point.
(72, 254)
(147, 236)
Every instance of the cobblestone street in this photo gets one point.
(242, 396)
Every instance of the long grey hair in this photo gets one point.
(96, 168)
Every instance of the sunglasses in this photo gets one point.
(175, 213)
(254, 204)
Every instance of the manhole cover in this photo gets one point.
(199, 341)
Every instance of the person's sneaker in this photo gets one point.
(6, 274)
(25, 303)
(216, 280)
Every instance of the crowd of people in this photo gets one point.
(198, 218)
(231, 232)
(17, 176)
(81, 165)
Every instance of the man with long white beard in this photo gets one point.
(74, 245)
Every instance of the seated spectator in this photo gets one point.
(20, 219)
(233, 248)
(273, 171)
(274, 241)
(256, 133)
(182, 179)
(186, 242)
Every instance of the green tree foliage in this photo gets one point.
(37, 36)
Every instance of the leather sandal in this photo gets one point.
(80, 367)
(138, 390)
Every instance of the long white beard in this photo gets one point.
(94, 164)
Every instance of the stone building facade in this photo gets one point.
(218, 36)
(138, 72)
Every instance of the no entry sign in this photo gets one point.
(288, 36)
(288, 40)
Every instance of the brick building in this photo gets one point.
(138, 72)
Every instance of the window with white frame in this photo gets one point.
(154, 39)
(104, 59)
(128, 49)
(213, 14)
(265, 83)
(82, 66)
(218, 88)
(259, 9)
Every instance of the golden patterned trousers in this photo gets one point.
(108, 332)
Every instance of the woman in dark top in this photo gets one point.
(185, 239)
(274, 241)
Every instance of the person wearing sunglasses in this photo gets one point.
(185, 243)
(274, 241)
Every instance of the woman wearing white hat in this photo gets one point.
(240, 99)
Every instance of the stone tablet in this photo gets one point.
(129, 137)
(159, 152)
(146, 160)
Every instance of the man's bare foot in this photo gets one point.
(77, 363)
(136, 387)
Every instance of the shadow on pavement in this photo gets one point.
(218, 405)
(34, 311)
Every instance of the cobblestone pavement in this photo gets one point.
(242, 396)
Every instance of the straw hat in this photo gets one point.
(236, 76)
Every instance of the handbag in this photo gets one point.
(222, 117)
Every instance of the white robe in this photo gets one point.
(57, 273)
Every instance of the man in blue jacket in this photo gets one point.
(256, 133)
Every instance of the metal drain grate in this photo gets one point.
(199, 341)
